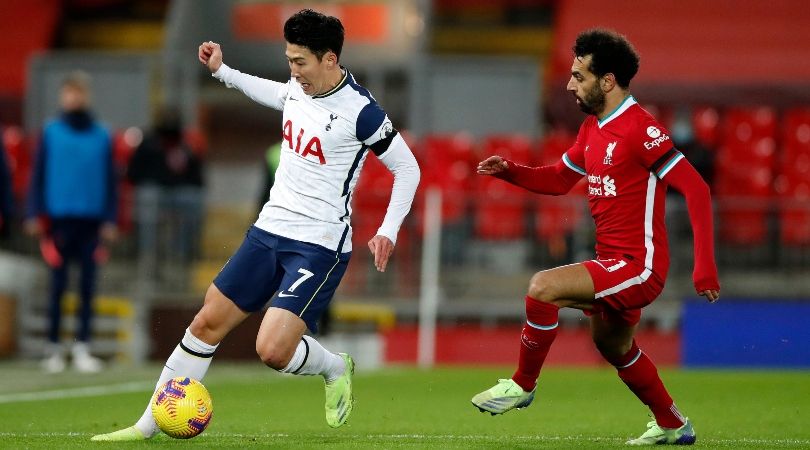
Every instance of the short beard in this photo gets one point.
(594, 101)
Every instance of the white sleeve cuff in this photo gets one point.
(222, 72)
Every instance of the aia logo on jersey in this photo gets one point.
(609, 154)
(657, 136)
(313, 147)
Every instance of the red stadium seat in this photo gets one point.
(448, 159)
(706, 125)
(793, 185)
(500, 207)
(745, 173)
(518, 148)
(19, 152)
(794, 212)
(557, 217)
(742, 225)
(796, 134)
(553, 145)
(31, 25)
(500, 210)
(746, 128)
(447, 163)
(743, 198)
(370, 199)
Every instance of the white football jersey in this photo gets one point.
(325, 139)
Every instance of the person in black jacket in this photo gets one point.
(168, 176)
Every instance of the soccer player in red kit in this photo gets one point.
(629, 160)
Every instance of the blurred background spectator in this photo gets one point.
(71, 207)
(168, 178)
(699, 154)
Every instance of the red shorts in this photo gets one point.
(622, 287)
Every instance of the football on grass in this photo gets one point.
(182, 407)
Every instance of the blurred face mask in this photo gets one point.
(72, 98)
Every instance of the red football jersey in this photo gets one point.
(625, 157)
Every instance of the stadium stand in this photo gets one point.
(745, 172)
(555, 218)
(500, 208)
(793, 184)
(706, 125)
(447, 162)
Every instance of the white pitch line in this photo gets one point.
(40, 435)
(89, 391)
(803, 443)
(483, 437)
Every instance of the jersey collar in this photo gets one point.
(628, 102)
(343, 82)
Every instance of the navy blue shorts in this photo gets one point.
(298, 276)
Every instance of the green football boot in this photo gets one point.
(657, 435)
(126, 435)
(339, 398)
(504, 396)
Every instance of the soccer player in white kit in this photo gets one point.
(296, 253)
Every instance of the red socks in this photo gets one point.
(535, 340)
(634, 368)
(640, 375)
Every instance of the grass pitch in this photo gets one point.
(406, 408)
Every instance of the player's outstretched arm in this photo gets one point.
(556, 179)
(265, 92)
(685, 179)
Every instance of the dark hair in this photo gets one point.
(610, 53)
(315, 31)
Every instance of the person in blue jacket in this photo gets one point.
(72, 207)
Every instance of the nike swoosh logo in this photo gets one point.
(282, 294)
(293, 98)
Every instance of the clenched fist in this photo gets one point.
(210, 54)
